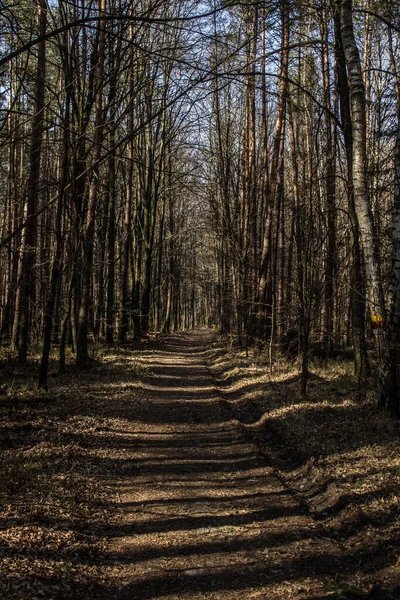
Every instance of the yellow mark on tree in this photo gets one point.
(377, 321)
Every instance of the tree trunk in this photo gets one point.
(359, 162)
(27, 281)
(389, 397)
(271, 182)
(55, 270)
(111, 246)
(357, 304)
(303, 318)
(330, 264)
(96, 83)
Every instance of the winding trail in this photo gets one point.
(203, 515)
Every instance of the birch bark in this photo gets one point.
(364, 216)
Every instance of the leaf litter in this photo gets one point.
(137, 479)
(56, 495)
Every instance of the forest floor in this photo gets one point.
(180, 471)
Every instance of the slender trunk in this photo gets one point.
(98, 329)
(111, 245)
(97, 72)
(271, 181)
(27, 281)
(247, 217)
(330, 264)
(10, 280)
(357, 303)
(55, 270)
(359, 162)
(303, 320)
(137, 264)
(389, 397)
(124, 302)
(171, 257)
(126, 245)
(147, 254)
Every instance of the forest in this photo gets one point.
(166, 165)
(199, 299)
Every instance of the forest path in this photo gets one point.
(203, 515)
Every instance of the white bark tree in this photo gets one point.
(375, 299)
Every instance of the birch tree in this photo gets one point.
(357, 98)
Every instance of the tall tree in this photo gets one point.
(390, 389)
(361, 362)
(26, 283)
(363, 210)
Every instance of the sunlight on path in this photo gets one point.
(203, 514)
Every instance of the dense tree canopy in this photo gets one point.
(166, 165)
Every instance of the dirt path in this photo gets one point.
(134, 480)
(203, 514)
